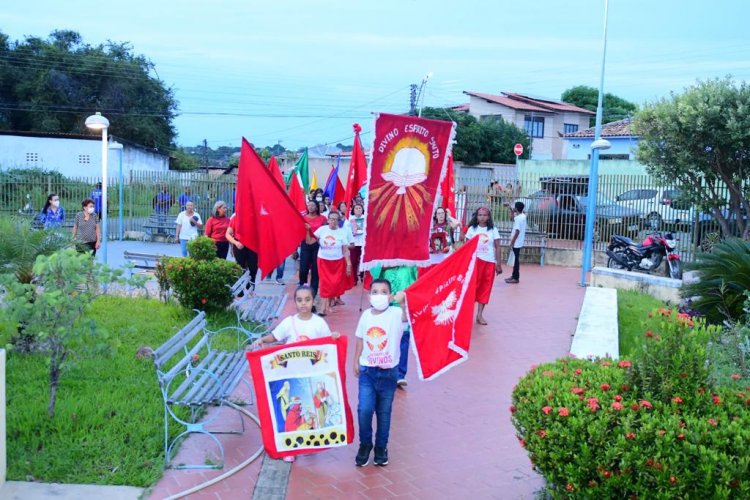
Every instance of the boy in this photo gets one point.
(376, 359)
(516, 241)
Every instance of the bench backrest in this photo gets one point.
(241, 284)
(181, 347)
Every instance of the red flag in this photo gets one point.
(339, 194)
(297, 194)
(357, 170)
(273, 166)
(440, 308)
(259, 195)
(448, 188)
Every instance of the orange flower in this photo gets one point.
(546, 410)
(563, 412)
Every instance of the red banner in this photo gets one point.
(440, 308)
(408, 163)
(301, 394)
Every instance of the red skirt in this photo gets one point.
(485, 279)
(333, 279)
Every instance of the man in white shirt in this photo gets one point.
(518, 235)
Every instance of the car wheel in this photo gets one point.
(654, 221)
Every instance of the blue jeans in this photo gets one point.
(280, 270)
(404, 361)
(183, 246)
(376, 390)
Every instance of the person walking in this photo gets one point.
(246, 258)
(188, 222)
(52, 215)
(517, 240)
(357, 223)
(334, 261)
(488, 253)
(86, 229)
(308, 254)
(216, 229)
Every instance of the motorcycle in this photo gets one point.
(624, 253)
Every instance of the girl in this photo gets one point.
(216, 229)
(309, 248)
(86, 227)
(334, 263)
(358, 236)
(488, 253)
(52, 215)
(301, 326)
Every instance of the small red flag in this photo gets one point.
(448, 188)
(297, 194)
(357, 176)
(273, 166)
(339, 194)
(440, 308)
(259, 195)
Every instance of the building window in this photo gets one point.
(569, 128)
(534, 125)
(612, 157)
(32, 157)
(84, 159)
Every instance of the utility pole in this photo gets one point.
(205, 155)
(413, 99)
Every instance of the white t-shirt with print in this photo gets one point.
(487, 237)
(293, 329)
(381, 337)
(187, 230)
(519, 222)
(358, 230)
(331, 241)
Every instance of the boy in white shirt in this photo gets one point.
(376, 358)
(518, 235)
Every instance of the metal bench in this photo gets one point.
(145, 261)
(160, 224)
(533, 239)
(256, 309)
(193, 374)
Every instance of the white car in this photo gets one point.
(658, 205)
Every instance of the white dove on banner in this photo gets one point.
(444, 313)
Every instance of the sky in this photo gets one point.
(301, 72)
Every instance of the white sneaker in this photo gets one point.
(402, 382)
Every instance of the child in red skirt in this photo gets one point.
(334, 263)
(488, 257)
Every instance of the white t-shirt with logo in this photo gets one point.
(519, 222)
(487, 237)
(331, 242)
(293, 329)
(187, 230)
(381, 337)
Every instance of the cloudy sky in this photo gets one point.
(302, 71)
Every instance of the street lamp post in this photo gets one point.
(421, 91)
(98, 122)
(117, 146)
(596, 146)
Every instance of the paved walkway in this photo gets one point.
(450, 437)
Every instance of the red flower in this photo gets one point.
(513, 408)
(618, 397)
(634, 407)
(548, 373)
(716, 399)
(542, 433)
(681, 437)
(606, 363)
(546, 410)
(522, 442)
(203, 301)
(593, 404)
(570, 487)
(607, 474)
(624, 387)
(563, 412)
(712, 422)
(577, 390)
(677, 400)
(617, 406)
(604, 387)
(649, 334)
(646, 404)
(624, 364)
(578, 371)
(661, 432)
(747, 402)
(672, 479)
(630, 435)
(735, 376)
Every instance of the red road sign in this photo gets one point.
(518, 149)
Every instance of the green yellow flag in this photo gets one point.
(303, 169)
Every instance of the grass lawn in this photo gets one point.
(109, 421)
(632, 315)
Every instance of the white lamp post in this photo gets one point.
(98, 122)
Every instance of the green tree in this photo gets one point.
(488, 140)
(613, 108)
(700, 139)
(182, 160)
(52, 85)
(21, 244)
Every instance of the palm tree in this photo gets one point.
(21, 244)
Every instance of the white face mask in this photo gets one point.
(90, 210)
(318, 198)
(380, 302)
(55, 203)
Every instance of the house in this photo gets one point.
(619, 135)
(545, 120)
(75, 155)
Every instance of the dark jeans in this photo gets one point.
(247, 259)
(87, 246)
(308, 264)
(516, 263)
(356, 255)
(376, 389)
(403, 362)
(222, 249)
(279, 271)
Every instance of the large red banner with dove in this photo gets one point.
(409, 158)
(440, 309)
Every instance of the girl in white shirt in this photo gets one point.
(334, 263)
(488, 257)
(357, 223)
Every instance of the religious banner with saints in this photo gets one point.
(408, 162)
(300, 389)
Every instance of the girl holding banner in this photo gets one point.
(488, 256)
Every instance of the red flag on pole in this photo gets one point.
(273, 166)
(297, 194)
(440, 308)
(258, 196)
(339, 194)
(357, 170)
(448, 188)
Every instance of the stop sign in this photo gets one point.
(518, 149)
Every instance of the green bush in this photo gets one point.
(202, 248)
(202, 284)
(724, 277)
(653, 427)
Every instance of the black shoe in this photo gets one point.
(381, 456)
(363, 455)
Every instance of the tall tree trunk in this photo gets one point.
(54, 376)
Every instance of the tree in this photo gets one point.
(488, 140)
(613, 108)
(182, 160)
(52, 85)
(701, 140)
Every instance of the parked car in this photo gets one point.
(659, 206)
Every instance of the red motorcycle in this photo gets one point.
(624, 253)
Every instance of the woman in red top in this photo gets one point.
(216, 229)
(308, 255)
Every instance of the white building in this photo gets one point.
(75, 155)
